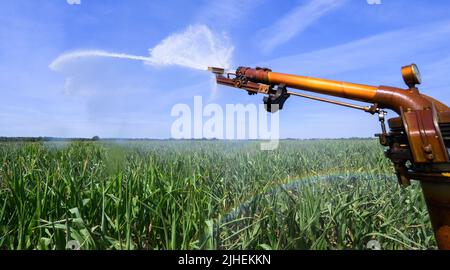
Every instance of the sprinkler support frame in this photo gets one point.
(420, 136)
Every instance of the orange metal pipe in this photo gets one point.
(386, 97)
(353, 91)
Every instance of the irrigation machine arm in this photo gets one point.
(418, 138)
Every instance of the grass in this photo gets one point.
(335, 194)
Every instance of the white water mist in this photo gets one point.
(197, 47)
(63, 59)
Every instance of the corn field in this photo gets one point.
(165, 195)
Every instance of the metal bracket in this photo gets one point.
(275, 101)
(424, 136)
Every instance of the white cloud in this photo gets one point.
(369, 52)
(296, 21)
(374, 2)
(226, 14)
(74, 2)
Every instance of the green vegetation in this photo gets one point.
(333, 194)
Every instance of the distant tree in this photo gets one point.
(96, 138)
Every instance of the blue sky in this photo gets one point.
(344, 40)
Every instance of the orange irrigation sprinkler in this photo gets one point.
(418, 139)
